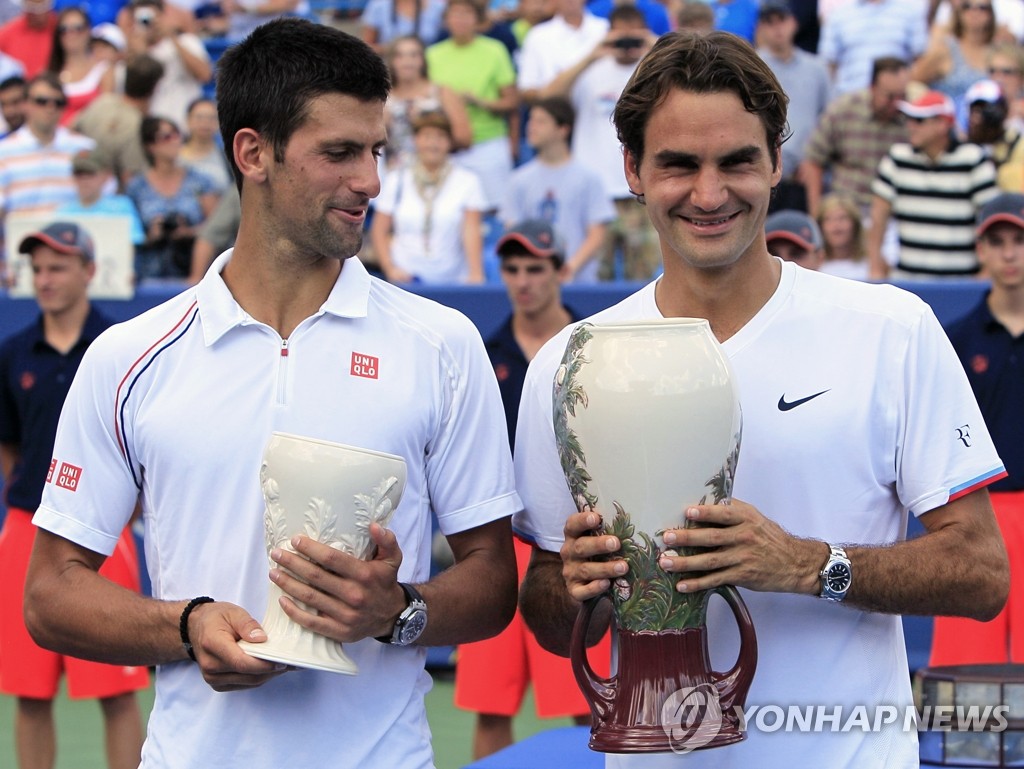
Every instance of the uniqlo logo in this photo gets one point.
(69, 476)
(364, 365)
(49, 473)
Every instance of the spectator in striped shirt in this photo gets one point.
(933, 187)
(35, 160)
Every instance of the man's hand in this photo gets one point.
(345, 598)
(585, 577)
(740, 546)
(214, 630)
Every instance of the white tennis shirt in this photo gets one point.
(177, 404)
(894, 430)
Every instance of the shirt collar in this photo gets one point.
(984, 317)
(95, 324)
(219, 312)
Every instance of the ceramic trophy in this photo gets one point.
(330, 493)
(647, 422)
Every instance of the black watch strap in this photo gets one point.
(412, 595)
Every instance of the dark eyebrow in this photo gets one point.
(746, 154)
(330, 145)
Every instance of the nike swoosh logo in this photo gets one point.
(785, 405)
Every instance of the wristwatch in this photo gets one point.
(411, 622)
(836, 575)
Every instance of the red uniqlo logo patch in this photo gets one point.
(69, 476)
(364, 365)
(49, 473)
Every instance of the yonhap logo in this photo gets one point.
(692, 717)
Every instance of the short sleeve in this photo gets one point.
(530, 73)
(547, 502)
(468, 465)
(390, 188)
(882, 184)
(473, 191)
(94, 489)
(944, 447)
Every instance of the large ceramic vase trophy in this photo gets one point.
(330, 493)
(647, 422)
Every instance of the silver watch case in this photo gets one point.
(836, 575)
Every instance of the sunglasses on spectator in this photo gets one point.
(166, 136)
(976, 6)
(65, 28)
(49, 101)
(1008, 71)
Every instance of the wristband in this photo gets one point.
(183, 622)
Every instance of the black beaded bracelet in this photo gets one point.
(183, 622)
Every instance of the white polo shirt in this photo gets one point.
(894, 430)
(177, 405)
(553, 46)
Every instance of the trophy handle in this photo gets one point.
(733, 686)
(599, 692)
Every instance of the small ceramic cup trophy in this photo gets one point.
(330, 493)
(647, 422)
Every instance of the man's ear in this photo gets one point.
(251, 154)
(632, 170)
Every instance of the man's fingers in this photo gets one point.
(387, 545)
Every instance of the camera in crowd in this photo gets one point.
(628, 42)
(145, 16)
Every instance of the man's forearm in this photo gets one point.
(75, 611)
(959, 568)
(475, 598)
(548, 609)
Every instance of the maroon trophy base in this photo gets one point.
(652, 739)
(664, 696)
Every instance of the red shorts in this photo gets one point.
(961, 641)
(491, 676)
(26, 669)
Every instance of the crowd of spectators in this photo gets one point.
(90, 76)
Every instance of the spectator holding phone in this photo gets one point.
(186, 63)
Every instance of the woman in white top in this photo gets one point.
(426, 225)
(83, 75)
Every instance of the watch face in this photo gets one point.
(838, 577)
(413, 626)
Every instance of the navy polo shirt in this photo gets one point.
(34, 381)
(994, 362)
(510, 370)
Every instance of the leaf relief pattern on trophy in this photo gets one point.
(720, 485)
(275, 521)
(646, 598)
(375, 507)
(568, 395)
(319, 521)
